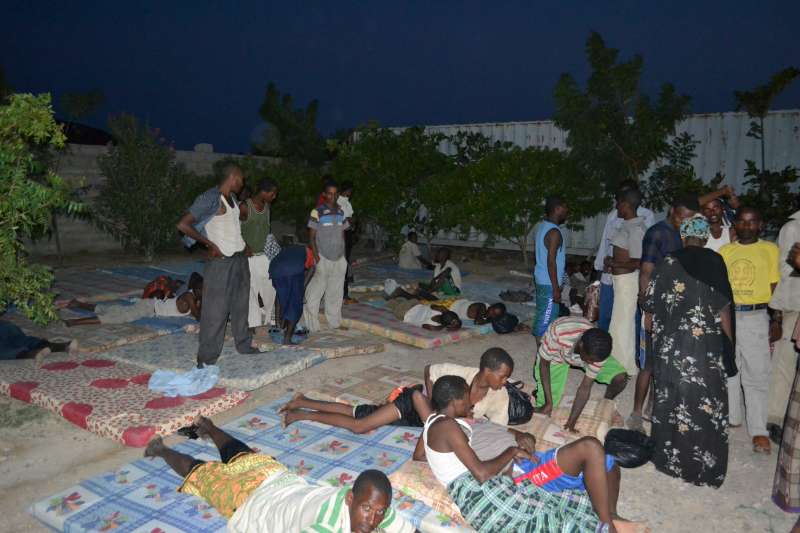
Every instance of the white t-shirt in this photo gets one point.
(408, 256)
(460, 308)
(455, 273)
(167, 307)
(613, 222)
(493, 406)
(346, 206)
(421, 314)
(286, 502)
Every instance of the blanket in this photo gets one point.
(108, 398)
(141, 496)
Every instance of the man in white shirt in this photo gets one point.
(410, 256)
(345, 193)
(613, 223)
(786, 298)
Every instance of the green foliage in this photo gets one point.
(28, 196)
(771, 193)
(615, 132)
(676, 176)
(293, 134)
(510, 187)
(145, 191)
(757, 102)
(388, 171)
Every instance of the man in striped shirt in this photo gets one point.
(574, 342)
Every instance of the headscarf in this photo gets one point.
(271, 247)
(696, 226)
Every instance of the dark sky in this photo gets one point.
(198, 69)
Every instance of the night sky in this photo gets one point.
(198, 70)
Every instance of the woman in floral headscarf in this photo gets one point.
(687, 308)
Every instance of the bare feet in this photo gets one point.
(626, 526)
(40, 356)
(292, 404)
(289, 418)
(73, 348)
(204, 427)
(155, 448)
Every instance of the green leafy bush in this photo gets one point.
(28, 196)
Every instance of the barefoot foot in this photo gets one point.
(626, 526)
(155, 448)
(293, 403)
(289, 418)
(204, 427)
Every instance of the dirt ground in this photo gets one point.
(41, 453)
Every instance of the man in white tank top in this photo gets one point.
(722, 232)
(213, 221)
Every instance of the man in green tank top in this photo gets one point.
(255, 221)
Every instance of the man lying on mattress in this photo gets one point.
(478, 312)
(499, 485)
(185, 301)
(409, 406)
(259, 494)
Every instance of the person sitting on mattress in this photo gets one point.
(409, 406)
(186, 301)
(256, 492)
(446, 275)
(410, 256)
(490, 502)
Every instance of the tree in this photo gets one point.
(511, 187)
(757, 102)
(771, 193)
(294, 134)
(28, 195)
(145, 190)
(615, 131)
(676, 176)
(388, 170)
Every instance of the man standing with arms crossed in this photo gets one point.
(254, 215)
(753, 272)
(326, 227)
(213, 221)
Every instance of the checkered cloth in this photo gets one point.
(786, 487)
(500, 505)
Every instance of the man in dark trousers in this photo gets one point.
(213, 221)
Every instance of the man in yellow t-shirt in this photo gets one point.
(754, 271)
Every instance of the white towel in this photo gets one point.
(195, 381)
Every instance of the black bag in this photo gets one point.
(630, 449)
(505, 323)
(520, 408)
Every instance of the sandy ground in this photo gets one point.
(41, 454)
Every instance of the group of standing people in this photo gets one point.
(247, 269)
(700, 314)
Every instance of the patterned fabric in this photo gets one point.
(786, 487)
(547, 310)
(373, 385)
(690, 413)
(226, 486)
(141, 496)
(558, 344)
(382, 322)
(93, 286)
(414, 480)
(500, 505)
(108, 398)
(271, 247)
(178, 353)
(696, 226)
(660, 240)
(330, 343)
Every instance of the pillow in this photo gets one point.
(415, 479)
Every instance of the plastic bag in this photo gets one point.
(591, 307)
(520, 408)
(630, 449)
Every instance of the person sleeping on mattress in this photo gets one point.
(256, 492)
(185, 302)
(410, 406)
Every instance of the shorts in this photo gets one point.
(404, 403)
(549, 476)
(547, 310)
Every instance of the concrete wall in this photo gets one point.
(78, 163)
